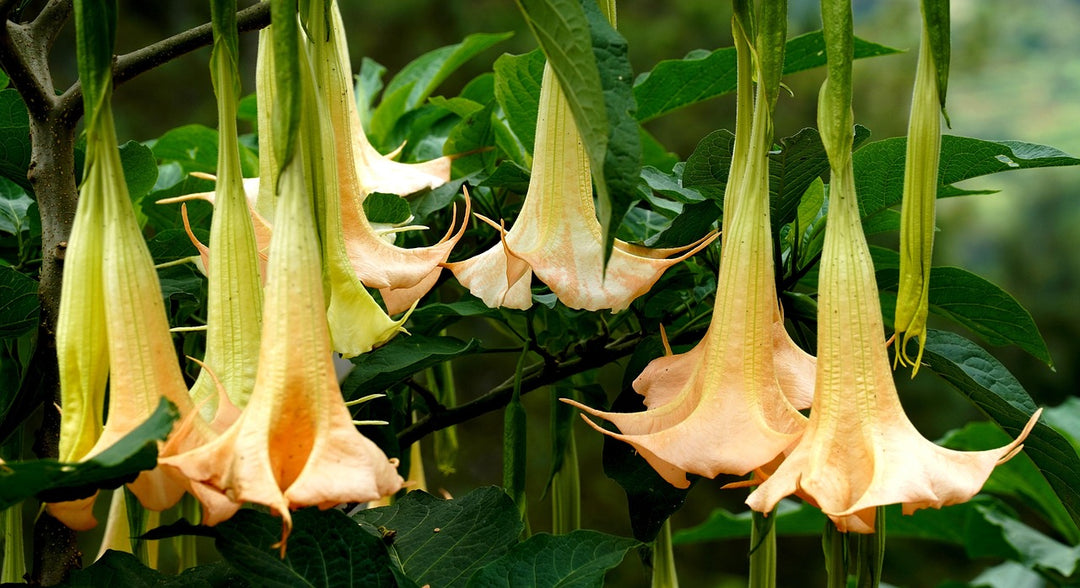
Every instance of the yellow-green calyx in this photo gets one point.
(917, 210)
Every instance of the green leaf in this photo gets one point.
(14, 204)
(325, 548)
(390, 209)
(443, 542)
(580, 558)
(508, 175)
(879, 166)
(19, 305)
(800, 160)
(980, 377)
(14, 138)
(432, 318)
(195, 148)
(473, 136)
(694, 222)
(971, 301)
(517, 89)
(117, 568)
(140, 169)
(368, 85)
(417, 80)
(381, 368)
(1065, 417)
(51, 481)
(1018, 477)
(701, 75)
(248, 108)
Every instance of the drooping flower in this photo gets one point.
(917, 208)
(234, 290)
(142, 360)
(724, 406)
(402, 275)
(295, 443)
(556, 234)
(859, 450)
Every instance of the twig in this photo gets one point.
(50, 21)
(130, 65)
(535, 376)
(433, 404)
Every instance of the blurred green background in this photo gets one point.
(1015, 75)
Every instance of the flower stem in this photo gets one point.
(833, 543)
(762, 551)
(872, 553)
(663, 562)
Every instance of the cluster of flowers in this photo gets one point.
(267, 425)
(732, 404)
(262, 423)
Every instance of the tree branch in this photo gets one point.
(535, 376)
(50, 21)
(26, 65)
(130, 65)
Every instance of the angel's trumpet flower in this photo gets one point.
(557, 236)
(295, 443)
(234, 291)
(724, 406)
(402, 275)
(859, 450)
(917, 210)
(142, 360)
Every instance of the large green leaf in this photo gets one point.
(325, 548)
(800, 160)
(517, 88)
(195, 148)
(969, 300)
(589, 58)
(879, 166)
(140, 169)
(1018, 477)
(14, 138)
(19, 305)
(580, 558)
(701, 75)
(417, 80)
(51, 481)
(14, 205)
(117, 568)
(381, 368)
(980, 377)
(443, 542)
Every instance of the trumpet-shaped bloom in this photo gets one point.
(142, 360)
(917, 210)
(402, 275)
(859, 450)
(556, 235)
(721, 407)
(294, 444)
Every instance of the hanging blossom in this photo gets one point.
(859, 450)
(730, 404)
(142, 363)
(556, 234)
(920, 197)
(402, 275)
(294, 444)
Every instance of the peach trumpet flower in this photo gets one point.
(294, 444)
(859, 450)
(556, 234)
(142, 360)
(724, 406)
(401, 275)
